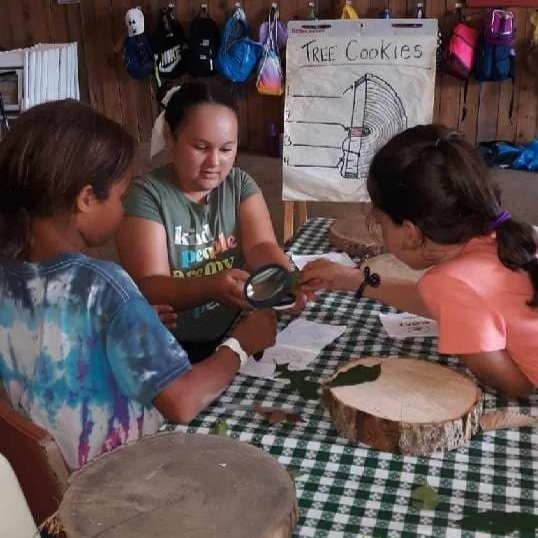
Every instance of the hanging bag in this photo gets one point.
(348, 12)
(280, 32)
(169, 46)
(137, 51)
(460, 55)
(203, 44)
(496, 54)
(270, 79)
(238, 54)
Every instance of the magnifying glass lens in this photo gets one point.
(268, 286)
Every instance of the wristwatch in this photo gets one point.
(235, 346)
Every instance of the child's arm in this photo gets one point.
(401, 294)
(497, 370)
(146, 260)
(184, 398)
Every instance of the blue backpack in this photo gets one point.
(238, 54)
(138, 56)
(496, 54)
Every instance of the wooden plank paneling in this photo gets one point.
(98, 26)
(528, 91)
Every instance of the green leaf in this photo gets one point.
(356, 375)
(424, 498)
(306, 389)
(295, 472)
(499, 522)
(282, 371)
(220, 427)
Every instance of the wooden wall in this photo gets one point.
(99, 28)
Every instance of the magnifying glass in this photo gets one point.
(270, 287)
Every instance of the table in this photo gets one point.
(347, 490)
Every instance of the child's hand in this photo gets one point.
(227, 287)
(166, 314)
(257, 331)
(324, 274)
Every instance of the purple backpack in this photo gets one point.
(499, 27)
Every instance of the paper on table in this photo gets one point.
(408, 325)
(339, 257)
(297, 345)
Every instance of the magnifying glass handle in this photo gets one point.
(257, 356)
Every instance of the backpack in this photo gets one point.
(348, 12)
(460, 54)
(279, 30)
(238, 54)
(496, 54)
(270, 79)
(137, 51)
(169, 46)
(203, 45)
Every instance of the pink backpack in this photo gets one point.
(460, 55)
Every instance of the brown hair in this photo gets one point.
(430, 176)
(51, 153)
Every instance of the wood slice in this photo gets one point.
(352, 236)
(414, 407)
(389, 266)
(187, 485)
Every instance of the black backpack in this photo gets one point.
(169, 46)
(203, 45)
(138, 56)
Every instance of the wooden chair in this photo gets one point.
(36, 460)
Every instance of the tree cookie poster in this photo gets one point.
(351, 86)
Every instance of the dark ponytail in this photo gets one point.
(51, 153)
(430, 176)
(516, 246)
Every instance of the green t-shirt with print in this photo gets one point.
(203, 239)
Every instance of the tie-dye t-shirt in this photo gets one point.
(82, 353)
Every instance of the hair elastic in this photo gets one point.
(370, 279)
(158, 142)
(502, 217)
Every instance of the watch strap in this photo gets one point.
(235, 346)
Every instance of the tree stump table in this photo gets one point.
(185, 485)
(352, 235)
(414, 407)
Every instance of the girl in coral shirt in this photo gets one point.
(438, 209)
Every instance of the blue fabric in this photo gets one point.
(506, 155)
(83, 354)
(238, 55)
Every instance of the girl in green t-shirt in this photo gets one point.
(195, 227)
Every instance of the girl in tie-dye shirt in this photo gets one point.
(82, 354)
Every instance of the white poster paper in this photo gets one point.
(351, 86)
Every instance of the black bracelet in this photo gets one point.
(372, 279)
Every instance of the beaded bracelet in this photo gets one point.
(370, 279)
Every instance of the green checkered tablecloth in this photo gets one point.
(349, 490)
